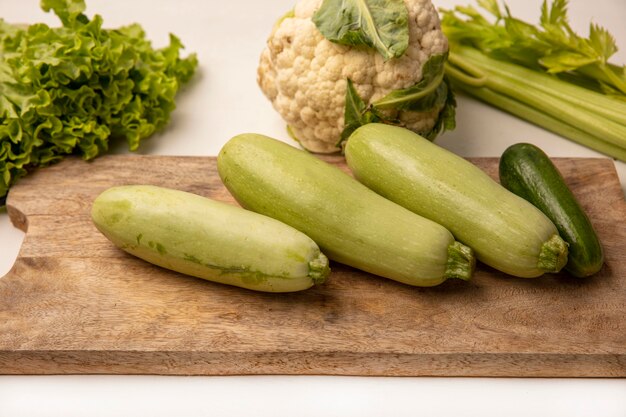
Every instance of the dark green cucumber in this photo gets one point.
(528, 172)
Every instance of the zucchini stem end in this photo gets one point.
(319, 269)
(461, 262)
(553, 255)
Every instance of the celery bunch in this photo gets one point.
(546, 74)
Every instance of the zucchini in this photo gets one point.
(352, 224)
(528, 172)
(505, 231)
(208, 239)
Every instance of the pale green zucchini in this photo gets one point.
(209, 239)
(505, 231)
(352, 224)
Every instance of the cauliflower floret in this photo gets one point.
(304, 75)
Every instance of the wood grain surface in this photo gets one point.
(75, 304)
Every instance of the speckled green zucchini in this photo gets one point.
(352, 224)
(528, 172)
(209, 239)
(506, 232)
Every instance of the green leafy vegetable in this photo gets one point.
(379, 24)
(552, 46)
(356, 114)
(431, 93)
(446, 120)
(73, 89)
(546, 74)
(422, 95)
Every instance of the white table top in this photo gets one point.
(224, 100)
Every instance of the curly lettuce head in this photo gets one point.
(71, 89)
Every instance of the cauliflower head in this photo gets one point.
(305, 75)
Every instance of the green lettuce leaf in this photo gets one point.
(379, 24)
(72, 89)
(70, 12)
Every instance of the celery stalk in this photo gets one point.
(550, 123)
(605, 106)
(541, 99)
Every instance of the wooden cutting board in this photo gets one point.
(74, 304)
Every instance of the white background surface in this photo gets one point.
(224, 100)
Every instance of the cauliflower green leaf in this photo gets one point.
(416, 97)
(379, 24)
(357, 113)
(431, 93)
